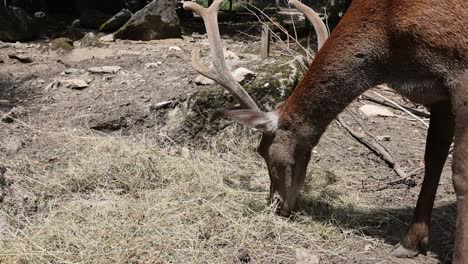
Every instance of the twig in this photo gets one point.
(375, 146)
(401, 108)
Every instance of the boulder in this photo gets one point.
(61, 44)
(16, 25)
(117, 21)
(157, 20)
(91, 40)
(92, 18)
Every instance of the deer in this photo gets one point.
(419, 48)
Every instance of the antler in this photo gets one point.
(220, 73)
(314, 18)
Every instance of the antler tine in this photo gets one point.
(314, 18)
(221, 73)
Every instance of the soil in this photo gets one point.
(127, 103)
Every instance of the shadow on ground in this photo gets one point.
(388, 224)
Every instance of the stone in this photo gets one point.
(104, 69)
(174, 48)
(72, 71)
(383, 138)
(40, 15)
(117, 21)
(76, 84)
(375, 110)
(16, 25)
(157, 20)
(108, 38)
(61, 44)
(153, 65)
(243, 75)
(13, 114)
(202, 80)
(230, 55)
(20, 58)
(92, 18)
(91, 40)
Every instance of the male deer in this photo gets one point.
(418, 47)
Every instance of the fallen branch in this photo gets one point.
(376, 147)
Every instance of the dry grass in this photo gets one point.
(78, 197)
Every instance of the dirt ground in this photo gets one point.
(93, 176)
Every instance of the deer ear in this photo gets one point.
(266, 121)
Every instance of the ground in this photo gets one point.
(100, 175)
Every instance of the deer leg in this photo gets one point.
(439, 138)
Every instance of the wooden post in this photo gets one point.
(265, 41)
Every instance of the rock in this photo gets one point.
(230, 55)
(108, 38)
(92, 18)
(40, 15)
(105, 69)
(175, 48)
(243, 75)
(20, 58)
(153, 65)
(202, 80)
(71, 71)
(375, 110)
(383, 138)
(14, 113)
(157, 20)
(91, 40)
(16, 25)
(117, 21)
(303, 256)
(61, 44)
(76, 84)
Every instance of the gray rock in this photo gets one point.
(92, 18)
(76, 84)
(202, 80)
(153, 65)
(16, 25)
(157, 20)
(108, 38)
(91, 40)
(14, 113)
(117, 21)
(61, 44)
(40, 15)
(243, 75)
(105, 69)
(375, 110)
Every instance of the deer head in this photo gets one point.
(285, 151)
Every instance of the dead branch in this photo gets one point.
(374, 146)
